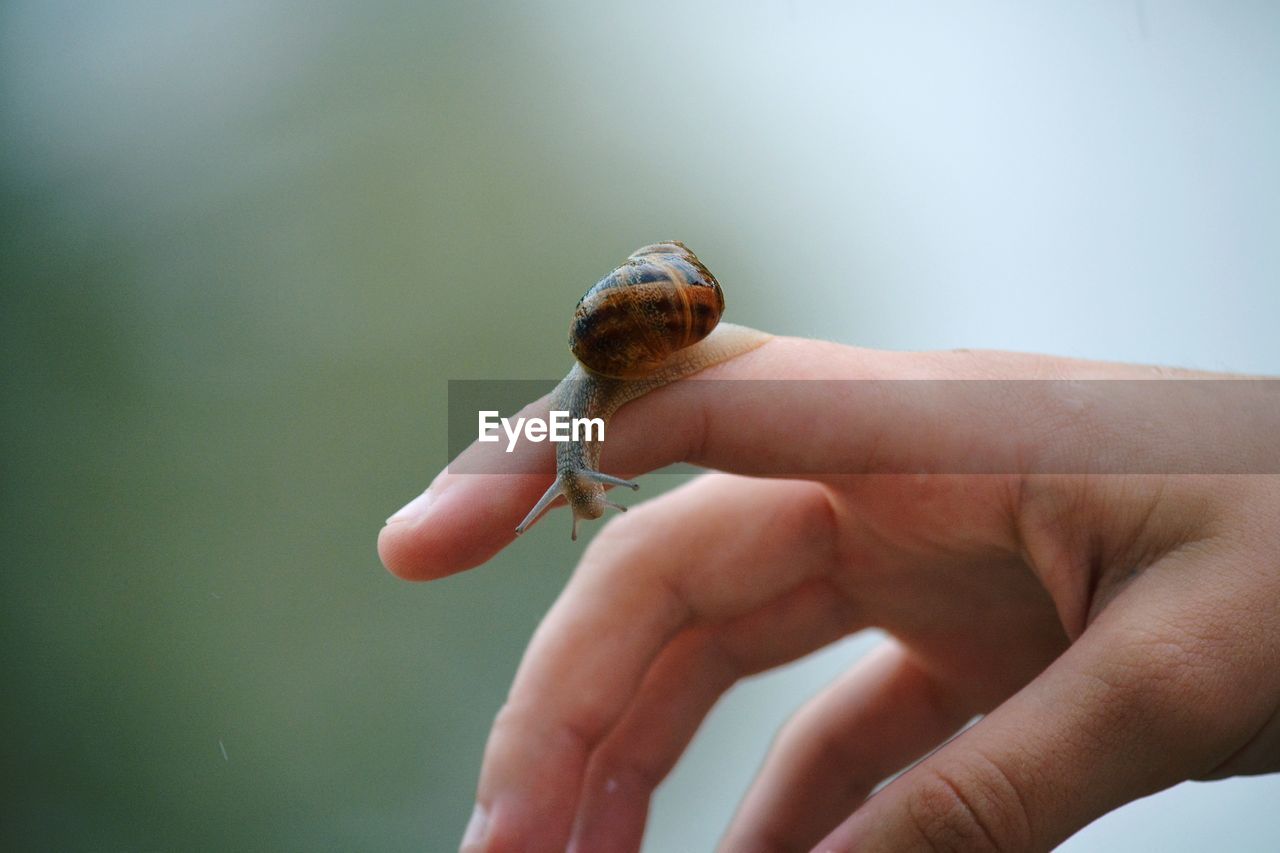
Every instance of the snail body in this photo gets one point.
(650, 322)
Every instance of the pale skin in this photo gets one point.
(1120, 633)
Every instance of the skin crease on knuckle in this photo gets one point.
(946, 815)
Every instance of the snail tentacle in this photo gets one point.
(543, 502)
(610, 480)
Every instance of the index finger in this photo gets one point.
(462, 520)
(794, 429)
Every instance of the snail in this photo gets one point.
(653, 320)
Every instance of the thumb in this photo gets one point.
(1123, 713)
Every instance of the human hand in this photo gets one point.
(1120, 632)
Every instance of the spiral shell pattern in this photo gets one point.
(660, 300)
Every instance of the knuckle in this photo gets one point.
(637, 774)
(1167, 688)
(974, 810)
(803, 738)
(812, 736)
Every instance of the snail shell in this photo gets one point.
(662, 299)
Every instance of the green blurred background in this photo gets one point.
(246, 244)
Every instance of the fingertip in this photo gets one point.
(465, 521)
(427, 540)
(399, 553)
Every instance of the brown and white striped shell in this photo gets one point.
(661, 300)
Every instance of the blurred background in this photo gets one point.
(246, 243)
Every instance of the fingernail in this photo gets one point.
(414, 509)
(477, 829)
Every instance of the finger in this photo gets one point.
(464, 519)
(879, 717)
(687, 679)
(1137, 704)
(714, 550)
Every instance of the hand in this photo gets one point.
(1121, 633)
